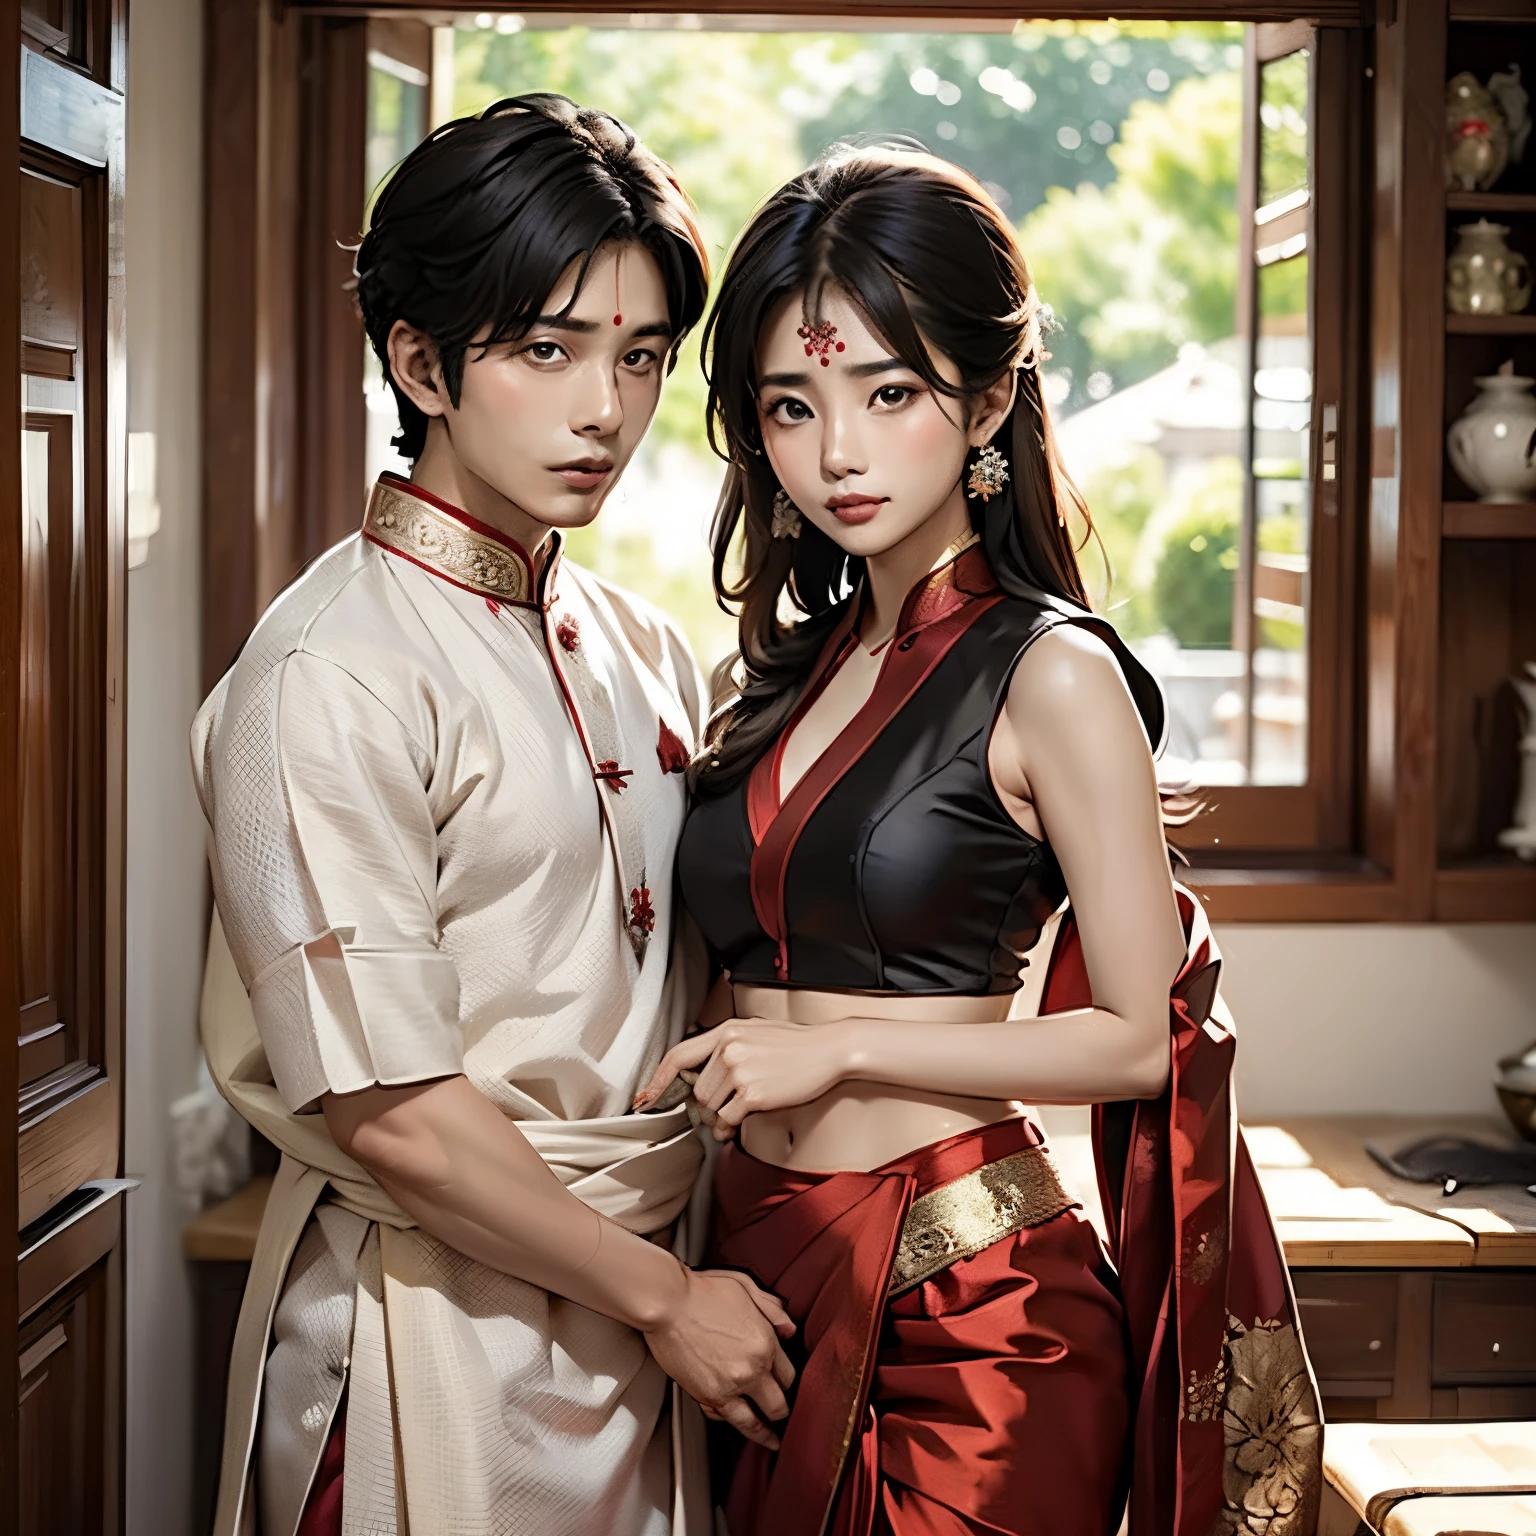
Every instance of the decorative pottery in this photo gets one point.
(1521, 837)
(1476, 135)
(1516, 1087)
(1493, 443)
(1515, 103)
(1483, 276)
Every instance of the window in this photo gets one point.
(1162, 180)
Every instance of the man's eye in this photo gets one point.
(544, 351)
(641, 357)
(893, 395)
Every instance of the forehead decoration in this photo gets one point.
(820, 340)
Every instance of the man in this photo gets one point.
(444, 786)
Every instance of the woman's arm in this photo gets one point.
(455, 1164)
(1068, 749)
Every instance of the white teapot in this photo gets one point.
(1483, 276)
(1493, 443)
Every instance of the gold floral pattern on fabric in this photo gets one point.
(973, 1212)
(1204, 1394)
(1203, 1254)
(1272, 1481)
(429, 536)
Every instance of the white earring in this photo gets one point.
(786, 516)
(989, 474)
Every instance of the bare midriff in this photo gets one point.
(860, 1125)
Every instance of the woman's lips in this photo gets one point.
(584, 477)
(855, 509)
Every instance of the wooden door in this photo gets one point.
(62, 562)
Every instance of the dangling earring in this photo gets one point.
(989, 474)
(786, 516)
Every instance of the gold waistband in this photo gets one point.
(961, 1218)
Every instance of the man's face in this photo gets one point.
(548, 422)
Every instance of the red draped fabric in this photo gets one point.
(1228, 1431)
(1012, 1392)
(991, 1398)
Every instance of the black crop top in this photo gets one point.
(892, 866)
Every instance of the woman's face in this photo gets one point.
(863, 446)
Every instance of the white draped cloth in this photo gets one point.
(443, 801)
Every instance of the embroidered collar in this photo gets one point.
(452, 545)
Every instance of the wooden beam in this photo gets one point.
(10, 693)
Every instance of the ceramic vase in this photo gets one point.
(1521, 837)
(1483, 276)
(1493, 443)
(1476, 135)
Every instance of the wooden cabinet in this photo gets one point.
(62, 560)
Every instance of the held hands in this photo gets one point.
(719, 1347)
(751, 1065)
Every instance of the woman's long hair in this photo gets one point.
(923, 252)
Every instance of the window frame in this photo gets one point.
(1328, 850)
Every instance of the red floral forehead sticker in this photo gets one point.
(819, 340)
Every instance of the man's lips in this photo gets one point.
(855, 509)
(585, 475)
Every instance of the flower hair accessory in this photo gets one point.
(989, 474)
(786, 516)
(820, 340)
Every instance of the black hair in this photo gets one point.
(921, 250)
(470, 234)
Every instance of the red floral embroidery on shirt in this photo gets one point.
(568, 632)
(670, 751)
(613, 775)
(642, 914)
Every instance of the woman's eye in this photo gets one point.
(790, 410)
(893, 395)
(544, 351)
(641, 357)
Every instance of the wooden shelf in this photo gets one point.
(1488, 520)
(1499, 11)
(1490, 325)
(1491, 891)
(1490, 202)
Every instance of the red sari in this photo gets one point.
(1013, 1391)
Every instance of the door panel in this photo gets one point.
(62, 563)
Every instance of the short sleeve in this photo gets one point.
(325, 867)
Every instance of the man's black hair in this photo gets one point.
(473, 230)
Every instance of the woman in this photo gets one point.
(913, 776)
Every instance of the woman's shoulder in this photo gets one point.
(1060, 649)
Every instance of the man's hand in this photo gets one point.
(719, 1347)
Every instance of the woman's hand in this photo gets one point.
(752, 1065)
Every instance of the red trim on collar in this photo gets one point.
(936, 614)
(459, 515)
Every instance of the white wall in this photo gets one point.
(166, 875)
(1374, 1018)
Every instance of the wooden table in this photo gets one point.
(1416, 1305)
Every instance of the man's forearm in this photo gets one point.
(465, 1173)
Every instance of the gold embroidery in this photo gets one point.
(402, 522)
(963, 1217)
(1272, 1480)
(1203, 1395)
(1203, 1255)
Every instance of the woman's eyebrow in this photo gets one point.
(783, 380)
(868, 370)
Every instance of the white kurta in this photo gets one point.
(443, 806)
